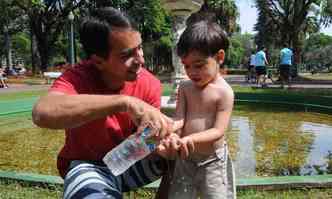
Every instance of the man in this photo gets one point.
(286, 56)
(100, 102)
(260, 67)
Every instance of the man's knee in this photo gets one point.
(90, 181)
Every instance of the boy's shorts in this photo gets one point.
(209, 179)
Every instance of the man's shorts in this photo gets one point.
(251, 67)
(92, 179)
(260, 70)
(284, 70)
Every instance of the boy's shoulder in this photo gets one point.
(223, 87)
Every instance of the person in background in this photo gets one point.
(260, 66)
(3, 83)
(286, 56)
(251, 77)
(100, 102)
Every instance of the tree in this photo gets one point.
(287, 21)
(11, 21)
(47, 19)
(317, 51)
(153, 22)
(224, 12)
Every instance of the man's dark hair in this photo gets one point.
(95, 29)
(285, 45)
(205, 37)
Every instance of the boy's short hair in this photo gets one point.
(96, 28)
(205, 37)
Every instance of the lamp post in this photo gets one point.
(71, 18)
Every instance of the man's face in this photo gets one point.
(200, 69)
(125, 58)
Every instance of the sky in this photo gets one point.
(248, 17)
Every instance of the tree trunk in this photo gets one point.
(44, 56)
(9, 62)
(35, 58)
(297, 49)
(42, 39)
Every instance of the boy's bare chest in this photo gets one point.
(202, 101)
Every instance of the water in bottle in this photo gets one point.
(131, 150)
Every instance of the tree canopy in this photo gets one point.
(290, 22)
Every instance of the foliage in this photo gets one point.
(21, 45)
(12, 21)
(235, 53)
(286, 22)
(317, 52)
(224, 12)
(47, 19)
(241, 46)
(152, 21)
(317, 41)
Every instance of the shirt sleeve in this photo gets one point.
(154, 94)
(66, 83)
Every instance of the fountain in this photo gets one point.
(180, 10)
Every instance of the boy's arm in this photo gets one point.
(203, 142)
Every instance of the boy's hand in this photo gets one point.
(187, 147)
(169, 146)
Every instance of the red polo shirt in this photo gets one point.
(94, 139)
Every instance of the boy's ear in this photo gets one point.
(221, 56)
(98, 61)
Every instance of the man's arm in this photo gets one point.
(58, 110)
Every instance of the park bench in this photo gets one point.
(51, 76)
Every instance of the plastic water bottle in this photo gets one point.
(131, 150)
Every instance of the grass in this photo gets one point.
(15, 190)
(21, 94)
(288, 194)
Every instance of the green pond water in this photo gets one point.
(264, 140)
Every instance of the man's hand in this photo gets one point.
(145, 115)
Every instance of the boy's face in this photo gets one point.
(202, 69)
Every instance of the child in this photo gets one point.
(2, 79)
(203, 111)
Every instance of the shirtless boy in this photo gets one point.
(203, 111)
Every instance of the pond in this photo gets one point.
(264, 140)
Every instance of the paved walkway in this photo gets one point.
(241, 81)
(23, 87)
